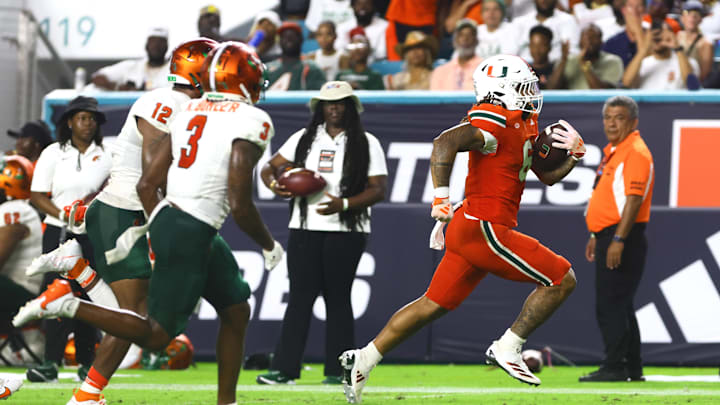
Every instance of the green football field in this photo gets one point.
(393, 384)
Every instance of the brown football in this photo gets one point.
(302, 182)
(545, 156)
(533, 359)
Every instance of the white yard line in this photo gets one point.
(400, 390)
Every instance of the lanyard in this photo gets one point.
(601, 167)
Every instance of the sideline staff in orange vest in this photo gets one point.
(616, 216)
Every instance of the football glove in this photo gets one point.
(274, 256)
(442, 209)
(74, 213)
(569, 140)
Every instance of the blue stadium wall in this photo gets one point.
(678, 302)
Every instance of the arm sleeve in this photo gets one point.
(377, 165)
(287, 150)
(44, 169)
(637, 173)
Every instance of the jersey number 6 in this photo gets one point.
(196, 126)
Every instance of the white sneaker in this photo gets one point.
(58, 300)
(85, 399)
(9, 387)
(61, 260)
(511, 362)
(355, 375)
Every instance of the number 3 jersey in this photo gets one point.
(496, 174)
(202, 137)
(159, 108)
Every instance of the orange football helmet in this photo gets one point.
(234, 68)
(187, 61)
(15, 176)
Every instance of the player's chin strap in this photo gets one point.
(437, 237)
(127, 239)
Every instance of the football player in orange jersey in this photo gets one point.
(480, 239)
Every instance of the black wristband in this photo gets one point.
(679, 49)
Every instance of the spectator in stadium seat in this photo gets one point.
(624, 44)
(263, 35)
(337, 11)
(138, 74)
(616, 216)
(457, 73)
(208, 23)
(405, 16)
(328, 231)
(328, 56)
(661, 63)
(365, 16)
(360, 76)
(30, 140)
(548, 72)
(289, 72)
(496, 35)
(418, 52)
(615, 24)
(70, 169)
(563, 26)
(592, 68)
(692, 39)
(459, 9)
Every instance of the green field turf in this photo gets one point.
(389, 384)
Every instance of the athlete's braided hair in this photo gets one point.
(355, 164)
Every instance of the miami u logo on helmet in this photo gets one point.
(489, 70)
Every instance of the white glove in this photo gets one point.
(274, 256)
(569, 140)
(442, 209)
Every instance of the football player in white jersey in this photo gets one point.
(20, 242)
(118, 208)
(207, 164)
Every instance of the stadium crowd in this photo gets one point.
(436, 44)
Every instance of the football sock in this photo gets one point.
(82, 273)
(94, 382)
(102, 294)
(371, 354)
(510, 339)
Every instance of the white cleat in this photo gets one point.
(61, 260)
(57, 301)
(511, 362)
(9, 387)
(355, 375)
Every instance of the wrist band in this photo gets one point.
(592, 235)
(442, 192)
(618, 238)
(346, 204)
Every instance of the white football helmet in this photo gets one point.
(510, 80)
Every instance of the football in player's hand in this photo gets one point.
(302, 182)
(545, 156)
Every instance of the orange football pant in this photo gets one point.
(475, 248)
